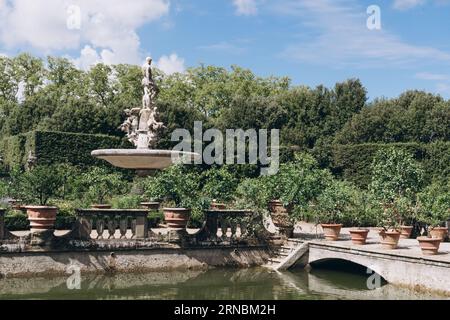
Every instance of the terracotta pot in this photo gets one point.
(176, 218)
(41, 218)
(218, 206)
(280, 218)
(405, 232)
(390, 239)
(101, 206)
(359, 236)
(331, 231)
(439, 232)
(152, 206)
(429, 246)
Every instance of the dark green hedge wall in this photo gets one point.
(56, 147)
(353, 162)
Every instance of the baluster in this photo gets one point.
(133, 227)
(123, 225)
(2, 225)
(224, 229)
(244, 230)
(112, 225)
(233, 227)
(238, 231)
(100, 225)
(219, 233)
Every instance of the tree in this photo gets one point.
(395, 174)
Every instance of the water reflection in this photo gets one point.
(243, 284)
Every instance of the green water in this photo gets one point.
(229, 284)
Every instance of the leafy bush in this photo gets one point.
(434, 205)
(37, 186)
(364, 210)
(251, 194)
(219, 184)
(179, 187)
(127, 202)
(99, 185)
(395, 174)
(334, 203)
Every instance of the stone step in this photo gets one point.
(275, 260)
(283, 254)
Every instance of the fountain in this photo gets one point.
(143, 130)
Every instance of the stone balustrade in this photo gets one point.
(114, 223)
(118, 227)
(231, 227)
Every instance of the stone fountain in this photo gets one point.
(143, 130)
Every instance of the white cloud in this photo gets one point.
(431, 76)
(341, 37)
(246, 7)
(108, 27)
(224, 47)
(171, 64)
(407, 4)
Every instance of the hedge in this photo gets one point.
(56, 147)
(353, 162)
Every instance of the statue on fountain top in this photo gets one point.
(142, 126)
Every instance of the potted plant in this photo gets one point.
(219, 185)
(395, 175)
(406, 212)
(360, 215)
(331, 208)
(36, 187)
(98, 186)
(179, 190)
(434, 211)
(296, 185)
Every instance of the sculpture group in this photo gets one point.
(142, 125)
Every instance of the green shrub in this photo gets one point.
(353, 162)
(127, 202)
(98, 185)
(57, 147)
(334, 203)
(179, 187)
(434, 205)
(219, 184)
(36, 186)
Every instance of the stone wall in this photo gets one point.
(163, 259)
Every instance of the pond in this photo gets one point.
(220, 284)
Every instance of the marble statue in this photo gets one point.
(142, 125)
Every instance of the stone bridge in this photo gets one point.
(405, 266)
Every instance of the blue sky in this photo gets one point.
(311, 41)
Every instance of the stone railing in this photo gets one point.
(231, 227)
(119, 228)
(110, 224)
(4, 233)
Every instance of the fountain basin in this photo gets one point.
(143, 159)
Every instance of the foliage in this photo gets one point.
(219, 184)
(99, 185)
(36, 186)
(434, 205)
(353, 162)
(56, 147)
(364, 210)
(175, 185)
(251, 194)
(127, 202)
(395, 174)
(334, 202)
(299, 182)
